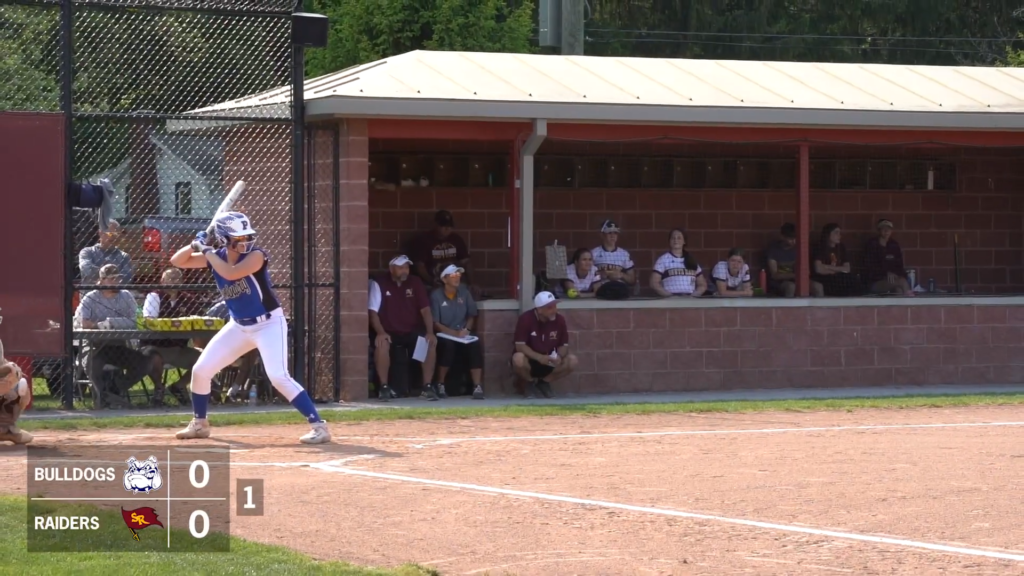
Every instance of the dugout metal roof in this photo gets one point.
(488, 86)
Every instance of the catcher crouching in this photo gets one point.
(14, 397)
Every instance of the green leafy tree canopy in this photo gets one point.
(367, 30)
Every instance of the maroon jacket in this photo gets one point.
(882, 260)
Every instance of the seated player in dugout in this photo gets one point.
(613, 263)
(433, 251)
(582, 278)
(541, 354)
(732, 276)
(782, 262)
(399, 310)
(676, 272)
(883, 263)
(454, 312)
(832, 274)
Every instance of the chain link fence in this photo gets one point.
(153, 93)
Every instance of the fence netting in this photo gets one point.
(159, 121)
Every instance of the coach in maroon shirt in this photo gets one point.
(542, 346)
(883, 263)
(402, 316)
(435, 250)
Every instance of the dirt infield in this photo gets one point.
(867, 492)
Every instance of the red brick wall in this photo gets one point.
(986, 212)
(986, 217)
(481, 218)
(747, 348)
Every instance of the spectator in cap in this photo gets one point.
(883, 263)
(613, 263)
(433, 251)
(542, 346)
(454, 312)
(399, 318)
(110, 308)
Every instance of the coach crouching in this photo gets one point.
(542, 347)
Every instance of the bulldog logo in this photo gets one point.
(142, 477)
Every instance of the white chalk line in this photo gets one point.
(707, 432)
(679, 514)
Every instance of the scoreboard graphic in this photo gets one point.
(125, 498)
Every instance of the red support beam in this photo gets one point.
(803, 212)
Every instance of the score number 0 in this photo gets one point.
(194, 470)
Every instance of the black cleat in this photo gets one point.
(478, 393)
(429, 393)
(531, 389)
(545, 388)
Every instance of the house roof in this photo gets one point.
(493, 86)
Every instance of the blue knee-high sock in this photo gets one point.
(304, 405)
(199, 402)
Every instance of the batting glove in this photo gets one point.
(203, 238)
(201, 247)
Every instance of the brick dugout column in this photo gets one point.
(354, 151)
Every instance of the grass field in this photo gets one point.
(245, 557)
(89, 422)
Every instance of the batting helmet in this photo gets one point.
(233, 225)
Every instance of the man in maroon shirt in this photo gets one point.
(401, 318)
(433, 251)
(542, 346)
(883, 263)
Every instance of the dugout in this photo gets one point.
(527, 149)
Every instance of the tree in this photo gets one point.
(367, 30)
(1015, 57)
(935, 32)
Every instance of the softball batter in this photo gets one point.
(241, 271)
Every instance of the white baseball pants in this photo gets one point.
(234, 340)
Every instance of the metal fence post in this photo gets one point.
(66, 105)
(298, 210)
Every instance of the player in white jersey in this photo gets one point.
(676, 273)
(241, 271)
(613, 263)
(732, 276)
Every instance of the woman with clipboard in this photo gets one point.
(455, 313)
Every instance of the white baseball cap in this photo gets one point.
(400, 261)
(543, 299)
(451, 269)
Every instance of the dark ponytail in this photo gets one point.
(688, 262)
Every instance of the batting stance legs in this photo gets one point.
(230, 343)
